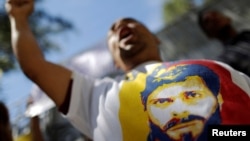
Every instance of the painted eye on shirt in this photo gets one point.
(191, 95)
(161, 101)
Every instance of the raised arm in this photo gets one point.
(53, 79)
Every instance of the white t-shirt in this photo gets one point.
(160, 101)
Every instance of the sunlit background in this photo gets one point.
(68, 30)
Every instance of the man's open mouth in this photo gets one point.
(124, 32)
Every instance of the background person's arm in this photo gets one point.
(51, 78)
(35, 128)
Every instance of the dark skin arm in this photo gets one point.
(36, 132)
(53, 79)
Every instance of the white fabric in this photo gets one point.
(94, 105)
(89, 102)
(239, 78)
(94, 99)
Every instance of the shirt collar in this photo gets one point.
(145, 66)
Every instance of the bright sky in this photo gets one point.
(92, 19)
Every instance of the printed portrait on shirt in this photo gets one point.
(181, 102)
(177, 101)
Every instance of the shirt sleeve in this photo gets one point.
(238, 77)
(80, 101)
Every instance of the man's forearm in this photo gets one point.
(52, 78)
(25, 46)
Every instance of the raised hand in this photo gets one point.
(19, 9)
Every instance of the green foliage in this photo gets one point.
(6, 56)
(173, 9)
(43, 25)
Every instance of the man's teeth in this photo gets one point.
(127, 47)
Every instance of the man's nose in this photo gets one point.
(180, 115)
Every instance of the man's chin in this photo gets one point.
(193, 127)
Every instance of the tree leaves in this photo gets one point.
(43, 26)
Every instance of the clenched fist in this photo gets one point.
(19, 9)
